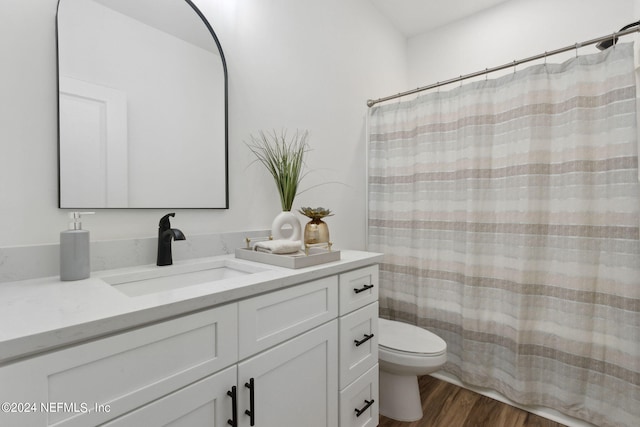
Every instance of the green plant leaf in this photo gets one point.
(284, 159)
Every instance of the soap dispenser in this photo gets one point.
(74, 249)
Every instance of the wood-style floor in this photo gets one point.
(453, 406)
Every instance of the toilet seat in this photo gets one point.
(398, 337)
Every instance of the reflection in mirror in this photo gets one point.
(142, 106)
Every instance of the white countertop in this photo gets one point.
(43, 314)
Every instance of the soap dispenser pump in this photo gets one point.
(74, 249)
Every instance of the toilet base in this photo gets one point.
(400, 397)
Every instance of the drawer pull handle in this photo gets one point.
(365, 407)
(362, 289)
(363, 340)
(251, 411)
(233, 422)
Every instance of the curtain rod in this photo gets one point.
(613, 37)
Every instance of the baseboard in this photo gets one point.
(548, 413)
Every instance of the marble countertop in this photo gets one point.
(43, 314)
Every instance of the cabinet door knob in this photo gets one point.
(362, 289)
(363, 340)
(233, 422)
(251, 411)
(365, 407)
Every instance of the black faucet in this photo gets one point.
(165, 234)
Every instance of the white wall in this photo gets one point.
(292, 64)
(511, 31)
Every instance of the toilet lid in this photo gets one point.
(409, 338)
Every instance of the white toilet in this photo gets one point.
(405, 352)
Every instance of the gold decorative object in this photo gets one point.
(316, 230)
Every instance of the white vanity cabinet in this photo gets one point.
(304, 355)
(358, 324)
(295, 382)
(205, 403)
(94, 382)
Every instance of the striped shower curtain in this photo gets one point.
(508, 211)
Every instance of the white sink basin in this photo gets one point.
(161, 279)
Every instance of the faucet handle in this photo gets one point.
(165, 224)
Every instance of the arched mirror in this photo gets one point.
(142, 110)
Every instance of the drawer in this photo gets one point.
(359, 401)
(121, 372)
(358, 288)
(272, 318)
(204, 403)
(358, 343)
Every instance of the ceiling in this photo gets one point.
(413, 17)
(169, 16)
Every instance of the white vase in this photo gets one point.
(286, 226)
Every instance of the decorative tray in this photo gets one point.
(297, 260)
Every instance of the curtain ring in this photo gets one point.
(577, 46)
(545, 58)
(514, 66)
(460, 80)
(486, 74)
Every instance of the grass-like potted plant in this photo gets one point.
(283, 156)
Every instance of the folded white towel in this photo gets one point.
(278, 246)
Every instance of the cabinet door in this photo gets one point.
(205, 403)
(95, 382)
(294, 384)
